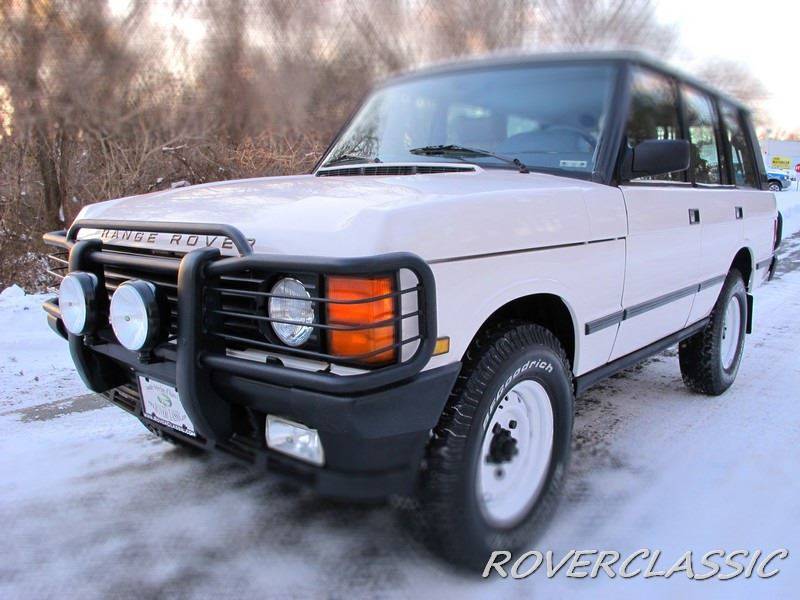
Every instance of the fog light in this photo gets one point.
(294, 439)
(134, 315)
(77, 300)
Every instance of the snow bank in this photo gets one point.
(12, 292)
(35, 365)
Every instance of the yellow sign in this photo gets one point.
(781, 162)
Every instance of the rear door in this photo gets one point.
(663, 246)
(724, 201)
(720, 217)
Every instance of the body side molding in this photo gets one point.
(648, 305)
(520, 251)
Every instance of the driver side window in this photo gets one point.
(653, 114)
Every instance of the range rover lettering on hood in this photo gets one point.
(179, 240)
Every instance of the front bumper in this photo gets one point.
(374, 426)
(373, 442)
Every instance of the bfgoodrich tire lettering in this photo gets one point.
(502, 357)
(704, 366)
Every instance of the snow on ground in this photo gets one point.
(93, 506)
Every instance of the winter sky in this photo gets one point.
(762, 35)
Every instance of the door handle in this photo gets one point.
(739, 212)
(694, 216)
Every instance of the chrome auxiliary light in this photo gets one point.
(77, 301)
(135, 315)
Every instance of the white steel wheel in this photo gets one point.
(515, 454)
(496, 462)
(731, 329)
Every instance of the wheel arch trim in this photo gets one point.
(546, 291)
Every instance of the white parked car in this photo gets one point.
(480, 244)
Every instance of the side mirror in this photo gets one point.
(657, 157)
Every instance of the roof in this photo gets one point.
(511, 60)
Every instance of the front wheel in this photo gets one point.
(710, 359)
(500, 451)
(774, 186)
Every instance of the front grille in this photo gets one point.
(378, 170)
(236, 301)
(166, 283)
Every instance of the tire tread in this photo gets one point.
(697, 355)
(484, 358)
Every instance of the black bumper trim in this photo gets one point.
(397, 410)
(373, 443)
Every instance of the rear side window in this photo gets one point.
(653, 114)
(742, 163)
(701, 123)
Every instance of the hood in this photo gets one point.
(433, 215)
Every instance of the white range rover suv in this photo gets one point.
(481, 243)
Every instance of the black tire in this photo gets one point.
(700, 356)
(452, 519)
(775, 186)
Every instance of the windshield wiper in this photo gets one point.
(346, 158)
(454, 149)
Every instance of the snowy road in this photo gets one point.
(93, 506)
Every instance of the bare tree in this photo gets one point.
(101, 100)
(465, 27)
(733, 78)
(581, 24)
(66, 68)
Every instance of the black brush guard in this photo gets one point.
(373, 424)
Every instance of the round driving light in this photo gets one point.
(134, 314)
(77, 301)
(291, 302)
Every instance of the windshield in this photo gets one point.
(549, 117)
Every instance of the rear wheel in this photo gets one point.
(500, 451)
(710, 359)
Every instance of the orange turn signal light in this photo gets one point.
(350, 306)
(442, 346)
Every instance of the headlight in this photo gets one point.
(291, 304)
(77, 300)
(134, 314)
